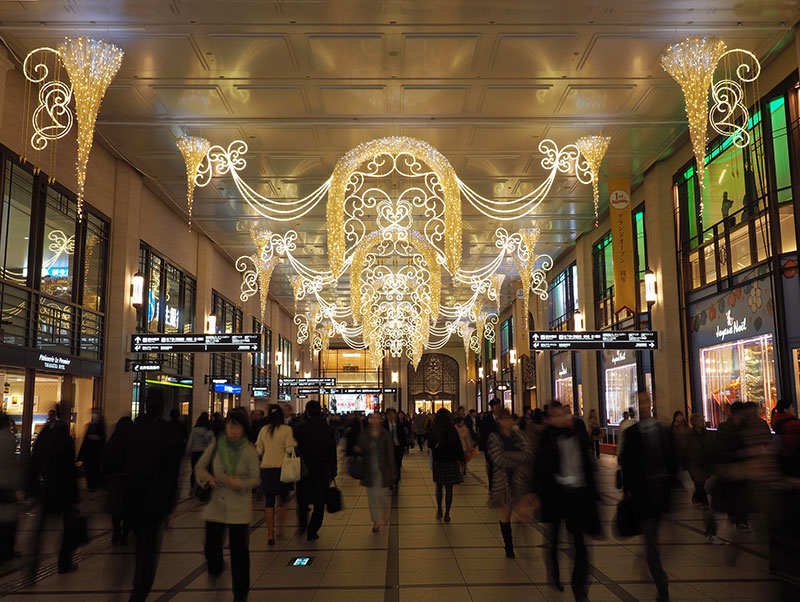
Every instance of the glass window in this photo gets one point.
(641, 251)
(189, 296)
(172, 300)
(58, 246)
(15, 227)
(780, 149)
(15, 312)
(91, 335)
(94, 270)
(154, 294)
(54, 326)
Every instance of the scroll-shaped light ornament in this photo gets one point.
(467, 336)
(495, 283)
(297, 288)
(91, 66)
(52, 119)
(524, 259)
(193, 149)
(691, 63)
(729, 114)
(594, 148)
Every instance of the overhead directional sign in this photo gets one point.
(195, 343)
(142, 366)
(346, 390)
(599, 339)
(307, 382)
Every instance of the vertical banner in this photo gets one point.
(622, 244)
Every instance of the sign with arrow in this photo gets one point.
(642, 340)
(142, 366)
(195, 343)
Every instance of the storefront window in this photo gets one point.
(562, 377)
(16, 224)
(13, 384)
(620, 384)
(741, 370)
(563, 298)
(172, 300)
(58, 246)
(154, 294)
(94, 262)
(54, 326)
(780, 149)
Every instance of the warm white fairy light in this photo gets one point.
(594, 148)
(194, 150)
(730, 114)
(691, 63)
(91, 66)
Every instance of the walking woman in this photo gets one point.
(274, 441)
(115, 472)
(230, 468)
(375, 444)
(199, 439)
(510, 453)
(448, 456)
(595, 432)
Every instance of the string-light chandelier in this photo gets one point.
(194, 150)
(594, 148)
(394, 232)
(91, 66)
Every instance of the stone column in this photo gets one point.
(6, 65)
(202, 361)
(589, 364)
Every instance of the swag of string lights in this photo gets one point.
(91, 65)
(692, 64)
(394, 229)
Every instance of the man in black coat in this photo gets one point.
(53, 479)
(488, 426)
(153, 460)
(563, 481)
(398, 434)
(316, 445)
(649, 465)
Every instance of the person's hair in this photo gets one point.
(237, 416)
(525, 410)
(274, 418)
(538, 416)
(154, 403)
(495, 401)
(556, 404)
(625, 414)
(504, 413)
(442, 421)
(313, 409)
(675, 415)
(202, 420)
(783, 405)
(736, 407)
(391, 411)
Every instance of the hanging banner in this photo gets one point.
(622, 244)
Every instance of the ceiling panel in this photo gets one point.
(353, 100)
(583, 99)
(279, 139)
(268, 101)
(441, 100)
(352, 55)
(192, 100)
(518, 100)
(631, 54)
(439, 55)
(250, 55)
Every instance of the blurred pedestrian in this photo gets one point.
(419, 428)
(258, 421)
(199, 439)
(10, 489)
(448, 456)
(595, 431)
(230, 468)
(488, 426)
(273, 443)
(398, 437)
(376, 446)
(511, 458)
(115, 474)
(91, 452)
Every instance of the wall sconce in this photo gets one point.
(297, 366)
(494, 366)
(137, 290)
(578, 318)
(650, 293)
(512, 356)
(480, 372)
(306, 374)
(395, 376)
(211, 324)
(278, 358)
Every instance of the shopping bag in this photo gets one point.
(356, 467)
(626, 521)
(333, 500)
(291, 469)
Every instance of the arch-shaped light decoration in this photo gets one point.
(593, 149)
(91, 66)
(194, 150)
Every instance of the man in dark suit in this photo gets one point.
(398, 434)
(153, 461)
(316, 445)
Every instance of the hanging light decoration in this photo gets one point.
(593, 149)
(691, 63)
(91, 66)
(525, 260)
(266, 260)
(194, 150)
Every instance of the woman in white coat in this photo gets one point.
(230, 467)
(273, 442)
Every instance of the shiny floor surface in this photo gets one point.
(417, 558)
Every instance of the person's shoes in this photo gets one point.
(300, 531)
(376, 527)
(312, 537)
(743, 527)
(558, 585)
(439, 513)
(67, 569)
(663, 596)
(715, 541)
(271, 541)
(447, 518)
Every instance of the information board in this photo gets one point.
(306, 382)
(599, 339)
(195, 343)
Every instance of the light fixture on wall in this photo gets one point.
(494, 366)
(211, 324)
(137, 290)
(480, 372)
(578, 317)
(297, 366)
(395, 376)
(650, 293)
(306, 374)
(512, 356)
(278, 358)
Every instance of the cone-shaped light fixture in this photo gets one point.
(594, 148)
(194, 150)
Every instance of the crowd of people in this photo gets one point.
(541, 465)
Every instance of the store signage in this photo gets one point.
(195, 343)
(55, 362)
(601, 339)
(302, 397)
(619, 356)
(221, 380)
(259, 389)
(56, 272)
(260, 393)
(142, 366)
(733, 326)
(622, 244)
(172, 316)
(562, 371)
(348, 391)
(306, 382)
(224, 388)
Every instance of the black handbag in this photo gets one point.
(333, 500)
(76, 532)
(626, 522)
(356, 467)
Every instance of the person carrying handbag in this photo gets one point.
(273, 442)
(235, 474)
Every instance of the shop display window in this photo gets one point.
(14, 398)
(563, 390)
(432, 405)
(58, 246)
(738, 371)
(621, 392)
(15, 227)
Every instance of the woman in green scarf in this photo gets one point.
(230, 468)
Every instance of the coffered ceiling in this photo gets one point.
(302, 82)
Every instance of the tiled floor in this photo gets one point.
(416, 559)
